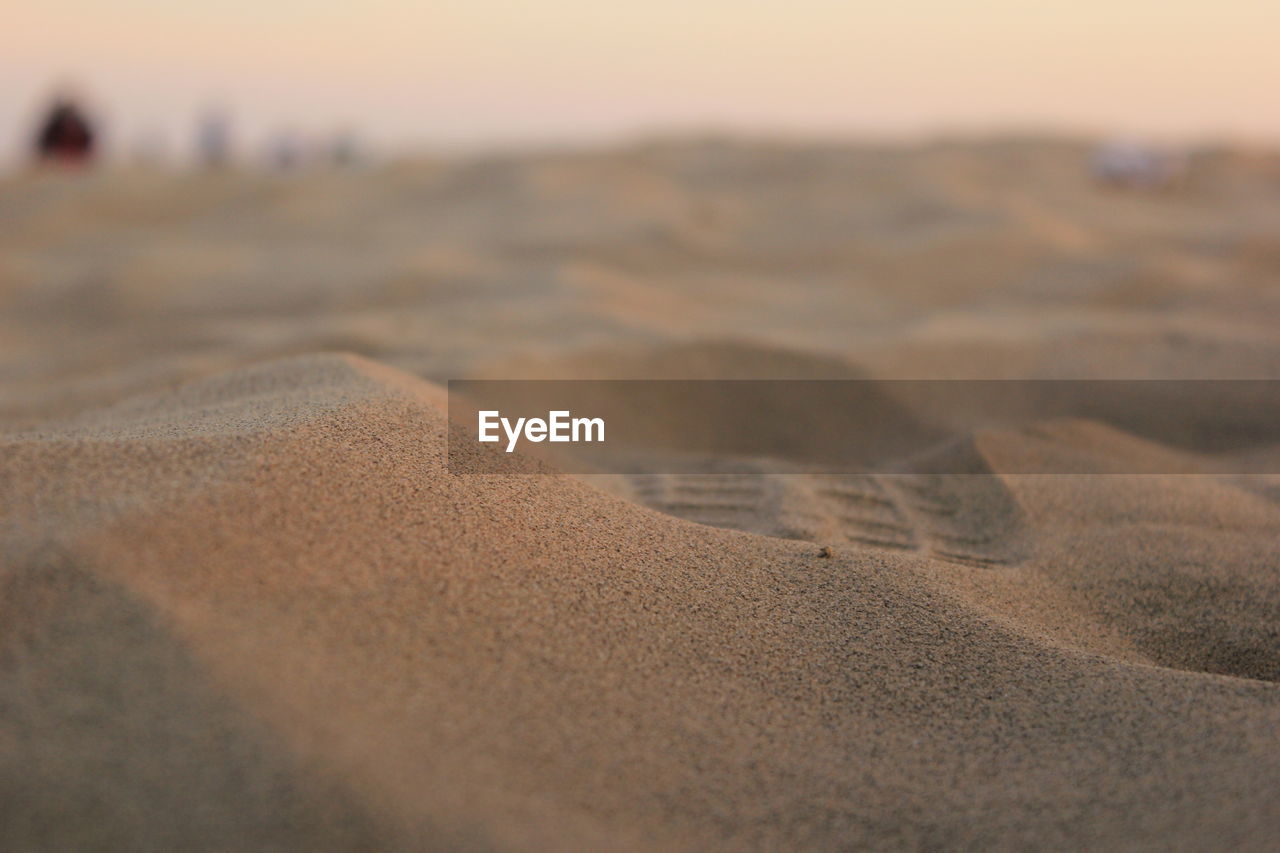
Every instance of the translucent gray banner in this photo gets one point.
(857, 426)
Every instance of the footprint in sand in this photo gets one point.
(970, 519)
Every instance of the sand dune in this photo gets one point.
(246, 604)
(424, 652)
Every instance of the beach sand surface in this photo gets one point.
(245, 604)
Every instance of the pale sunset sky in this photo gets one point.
(442, 73)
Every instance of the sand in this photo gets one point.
(247, 606)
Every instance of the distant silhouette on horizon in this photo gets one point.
(213, 139)
(66, 136)
(344, 149)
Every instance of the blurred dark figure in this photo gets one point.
(213, 140)
(66, 135)
(344, 149)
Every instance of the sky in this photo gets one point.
(444, 73)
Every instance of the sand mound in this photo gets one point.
(245, 605)
(320, 638)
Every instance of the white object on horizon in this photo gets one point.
(1133, 164)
